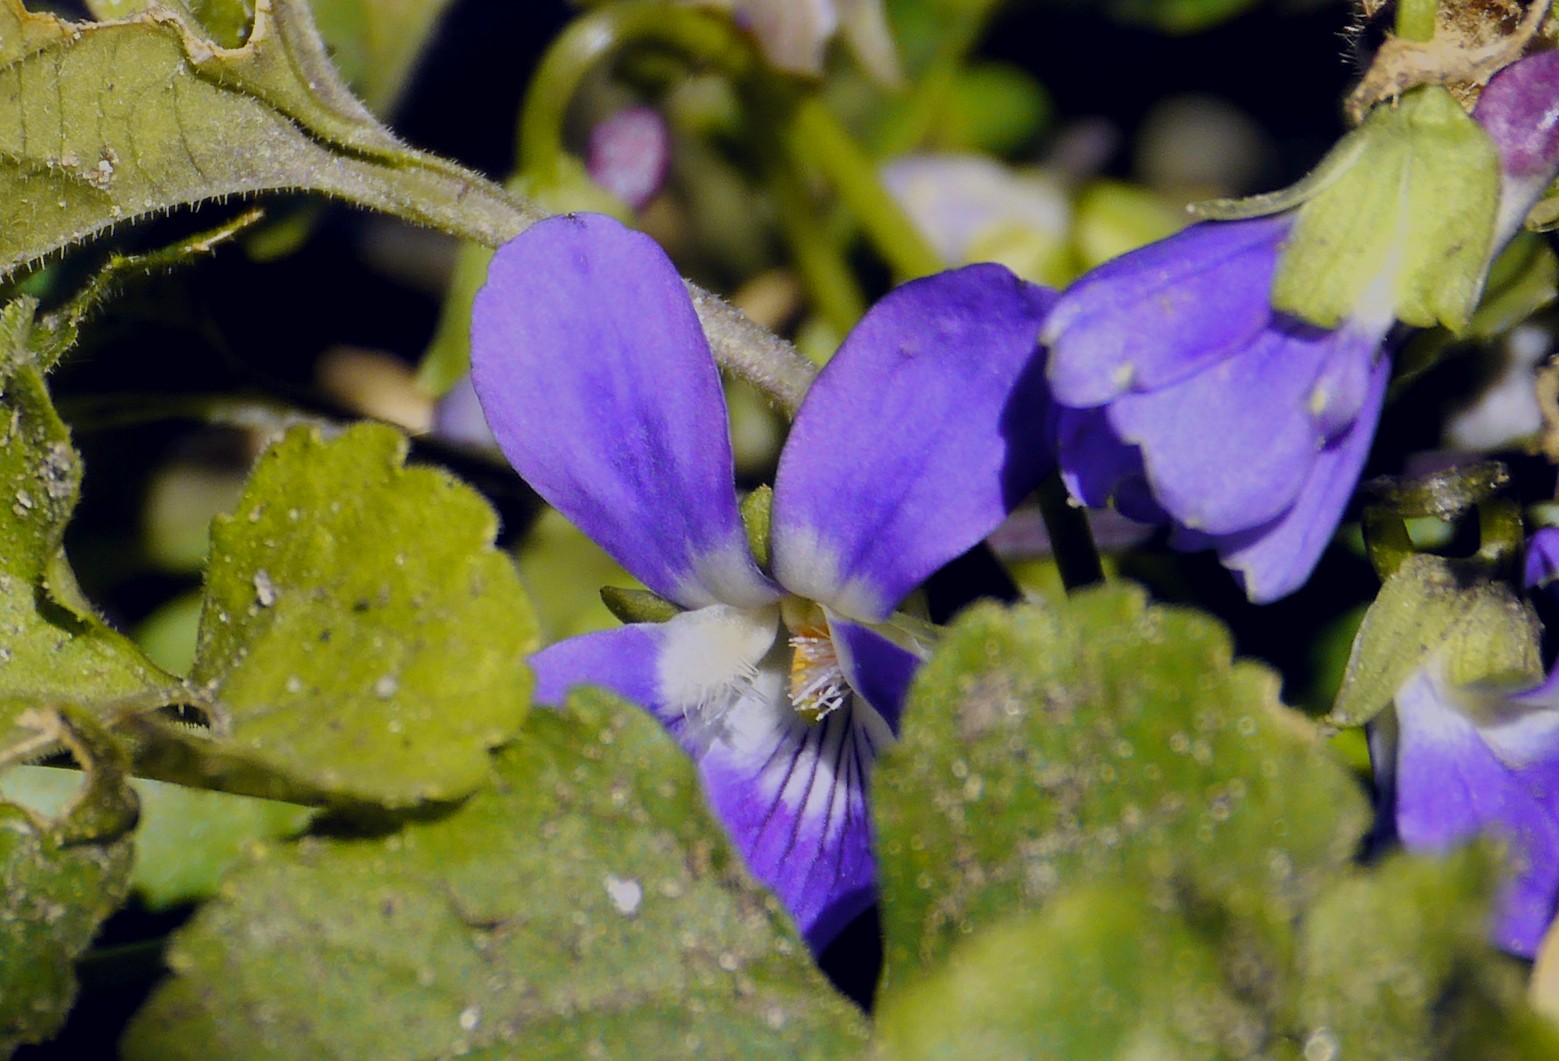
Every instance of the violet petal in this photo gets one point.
(879, 670)
(1163, 312)
(1228, 448)
(928, 426)
(601, 390)
(1452, 785)
(792, 794)
(1275, 560)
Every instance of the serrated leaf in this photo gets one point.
(1393, 964)
(53, 648)
(1103, 740)
(1431, 605)
(362, 641)
(1411, 216)
(1100, 974)
(587, 905)
(374, 44)
(62, 878)
(101, 123)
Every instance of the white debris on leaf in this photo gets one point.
(626, 895)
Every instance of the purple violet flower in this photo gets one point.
(1185, 398)
(1453, 763)
(912, 445)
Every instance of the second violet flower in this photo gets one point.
(1186, 399)
(783, 684)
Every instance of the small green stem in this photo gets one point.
(1071, 539)
(1501, 533)
(1386, 540)
(1415, 19)
(815, 137)
(701, 36)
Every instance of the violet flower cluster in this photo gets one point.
(784, 684)
(1186, 399)
(1179, 395)
(1458, 762)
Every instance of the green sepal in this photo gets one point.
(1336, 162)
(638, 605)
(757, 511)
(1410, 217)
(1479, 626)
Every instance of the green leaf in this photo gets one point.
(1100, 973)
(1406, 222)
(1394, 965)
(362, 641)
(587, 905)
(1102, 740)
(55, 649)
(1432, 605)
(376, 43)
(101, 123)
(187, 838)
(62, 878)
(565, 575)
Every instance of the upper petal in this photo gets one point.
(601, 389)
(1162, 312)
(927, 427)
(1274, 560)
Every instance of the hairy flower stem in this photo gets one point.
(1071, 539)
(1415, 19)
